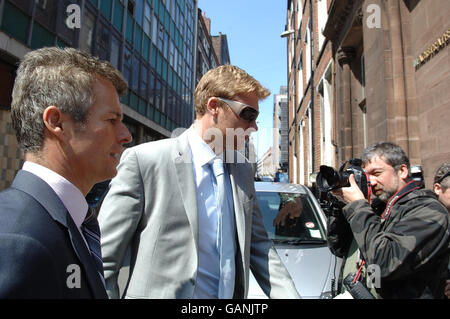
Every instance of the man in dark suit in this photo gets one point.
(67, 117)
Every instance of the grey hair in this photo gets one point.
(56, 77)
(439, 176)
(391, 153)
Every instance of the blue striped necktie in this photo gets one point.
(91, 232)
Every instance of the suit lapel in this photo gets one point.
(186, 182)
(239, 198)
(44, 194)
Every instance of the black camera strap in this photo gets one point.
(413, 185)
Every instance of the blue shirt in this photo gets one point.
(208, 273)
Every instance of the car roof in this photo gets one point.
(280, 187)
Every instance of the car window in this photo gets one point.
(289, 216)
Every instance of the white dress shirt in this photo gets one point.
(69, 194)
(208, 274)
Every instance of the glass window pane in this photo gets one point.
(41, 37)
(130, 25)
(127, 65)
(15, 22)
(135, 82)
(118, 15)
(103, 36)
(151, 85)
(138, 39)
(144, 82)
(86, 32)
(138, 12)
(105, 8)
(146, 48)
(154, 29)
(44, 10)
(153, 56)
(115, 52)
(157, 93)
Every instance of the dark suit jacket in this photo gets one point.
(42, 253)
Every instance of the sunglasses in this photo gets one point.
(244, 111)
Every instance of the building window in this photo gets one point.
(144, 82)
(127, 65)
(322, 17)
(154, 29)
(87, 31)
(135, 75)
(147, 18)
(157, 94)
(118, 15)
(44, 10)
(130, 26)
(41, 37)
(146, 47)
(103, 36)
(105, 8)
(115, 52)
(151, 88)
(139, 11)
(138, 39)
(15, 22)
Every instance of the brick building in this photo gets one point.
(392, 77)
(380, 71)
(310, 89)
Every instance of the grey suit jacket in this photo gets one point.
(151, 208)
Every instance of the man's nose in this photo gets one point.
(254, 125)
(124, 135)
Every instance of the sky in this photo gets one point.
(253, 29)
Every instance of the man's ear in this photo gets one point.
(212, 106)
(437, 189)
(53, 119)
(403, 172)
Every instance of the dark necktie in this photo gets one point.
(91, 232)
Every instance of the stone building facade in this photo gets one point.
(392, 61)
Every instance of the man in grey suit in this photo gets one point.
(191, 222)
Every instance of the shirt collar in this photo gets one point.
(201, 153)
(69, 194)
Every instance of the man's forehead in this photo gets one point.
(376, 162)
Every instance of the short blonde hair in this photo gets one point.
(225, 81)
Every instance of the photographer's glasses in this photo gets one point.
(244, 111)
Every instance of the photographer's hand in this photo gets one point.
(349, 194)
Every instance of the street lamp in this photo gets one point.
(287, 33)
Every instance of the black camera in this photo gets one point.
(328, 178)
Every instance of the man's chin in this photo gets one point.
(384, 197)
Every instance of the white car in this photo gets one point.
(297, 225)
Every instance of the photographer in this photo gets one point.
(409, 242)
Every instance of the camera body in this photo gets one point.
(329, 179)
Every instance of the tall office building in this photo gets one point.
(152, 42)
(206, 55)
(281, 130)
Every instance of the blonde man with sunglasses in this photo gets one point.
(186, 207)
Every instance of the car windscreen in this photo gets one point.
(290, 217)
